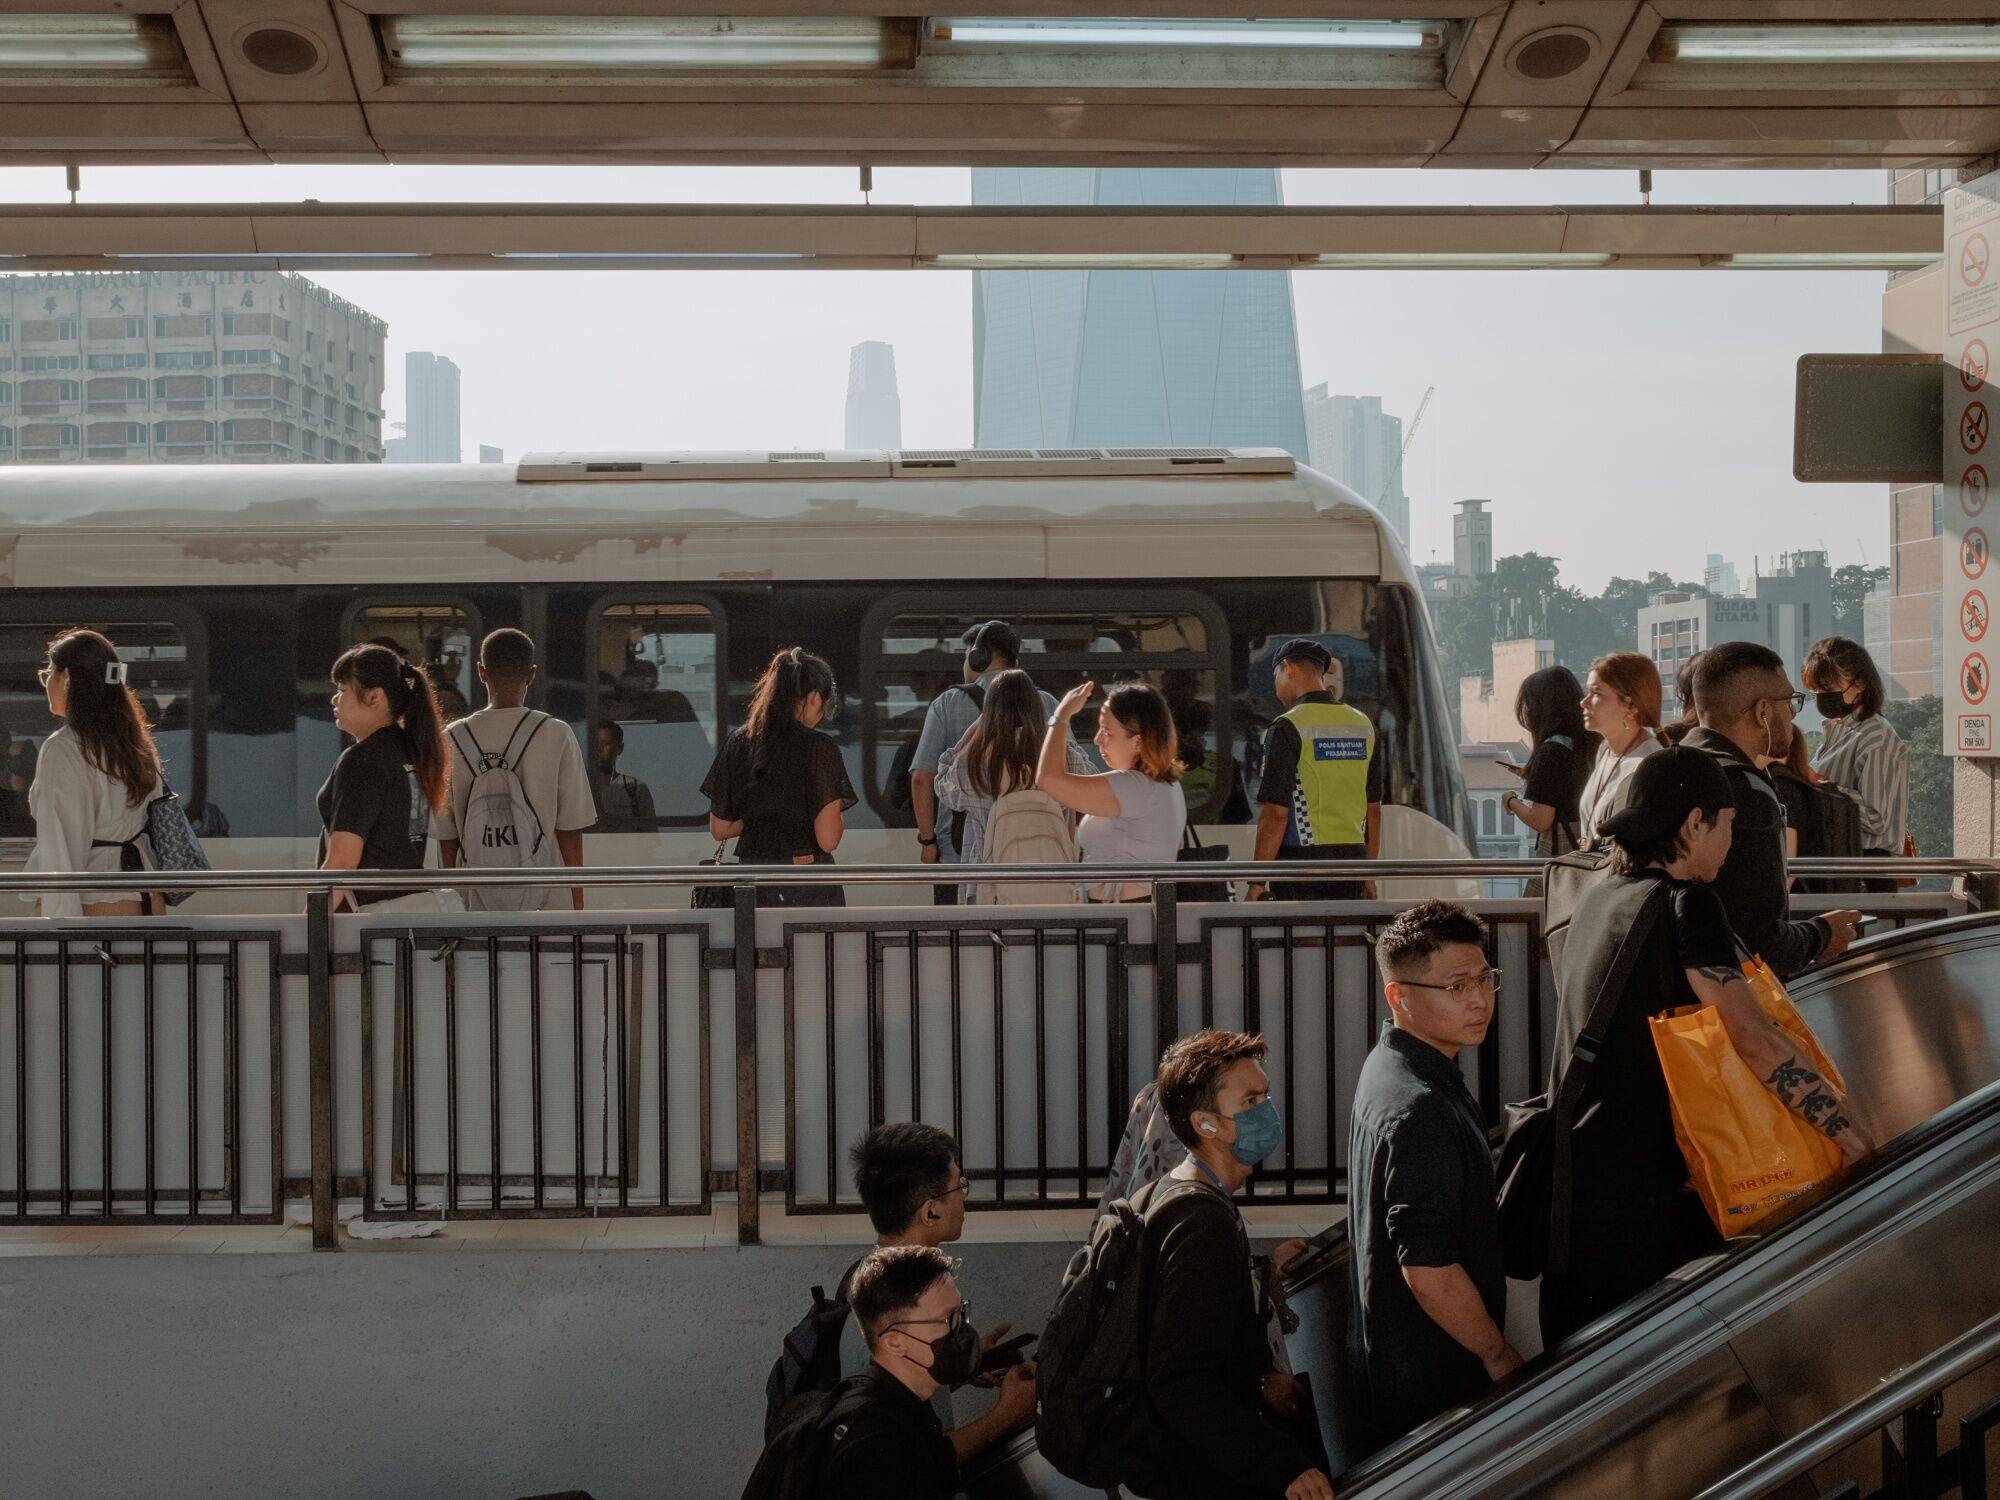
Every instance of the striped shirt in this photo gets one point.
(1868, 758)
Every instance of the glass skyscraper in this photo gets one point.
(1130, 359)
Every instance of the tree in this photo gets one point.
(1920, 721)
(1851, 586)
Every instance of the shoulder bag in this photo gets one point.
(715, 897)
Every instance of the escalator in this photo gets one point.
(1736, 1352)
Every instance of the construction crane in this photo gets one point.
(1409, 437)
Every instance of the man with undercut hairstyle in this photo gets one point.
(1746, 704)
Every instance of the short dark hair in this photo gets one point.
(994, 639)
(1190, 1070)
(615, 730)
(1852, 661)
(508, 654)
(1719, 694)
(893, 1281)
(899, 1168)
(1420, 930)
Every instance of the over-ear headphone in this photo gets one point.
(980, 656)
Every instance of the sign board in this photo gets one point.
(1869, 418)
(1971, 403)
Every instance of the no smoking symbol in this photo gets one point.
(1973, 426)
(1973, 616)
(1972, 553)
(1972, 489)
(1972, 260)
(1973, 365)
(1975, 678)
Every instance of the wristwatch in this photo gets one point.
(928, 843)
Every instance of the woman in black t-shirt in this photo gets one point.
(375, 808)
(778, 786)
(1550, 707)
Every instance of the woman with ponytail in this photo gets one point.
(778, 786)
(93, 777)
(376, 806)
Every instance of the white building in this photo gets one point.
(1718, 576)
(1788, 609)
(1353, 440)
(430, 412)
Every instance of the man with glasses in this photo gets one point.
(1746, 704)
(1428, 1283)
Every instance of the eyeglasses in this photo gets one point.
(44, 674)
(960, 1315)
(1797, 700)
(1463, 989)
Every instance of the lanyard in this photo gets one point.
(1203, 1168)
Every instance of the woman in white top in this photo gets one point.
(1134, 813)
(93, 777)
(996, 756)
(1860, 751)
(1621, 704)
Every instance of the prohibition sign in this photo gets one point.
(1975, 678)
(1973, 258)
(1972, 489)
(1973, 425)
(1973, 365)
(1972, 552)
(1973, 616)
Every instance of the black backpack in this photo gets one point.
(809, 1362)
(1566, 880)
(798, 1442)
(1835, 831)
(1092, 1422)
(897, 788)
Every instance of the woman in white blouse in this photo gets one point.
(1859, 750)
(93, 777)
(1621, 704)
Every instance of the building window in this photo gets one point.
(186, 359)
(655, 677)
(183, 326)
(65, 329)
(50, 362)
(116, 328)
(6, 330)
(119, 435)
(310, 337)
(113, 393)
(246, 356)
(242, 324)
(44, 395)
(47, 437)
(183, 388)
(116, 361)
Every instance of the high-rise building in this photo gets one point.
(874, 410)
(1788, 609)
(186, 367)
(1472, 540)
(430, 410)
(1133, 358)
(488, 454)
(1718, 576)
(1351, 438)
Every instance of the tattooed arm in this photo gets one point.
(1776, 1059)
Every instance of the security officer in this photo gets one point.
(1321, 794)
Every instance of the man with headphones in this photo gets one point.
(990, 649)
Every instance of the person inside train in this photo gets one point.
(1621, 706)
(909, 1179)
(1550, 707)
(623, 800)
(13, 800)
(778, 786)
(540, 752)
(1133, 813)
(1321, 793)
(376, 805)
(1427, 1279)
(1632, 1215)
(93, 777)
(1860, 750)
(1746, 704)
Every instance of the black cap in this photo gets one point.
(1667, 786)
(996, 636)
(1305, 648)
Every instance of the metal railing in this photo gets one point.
(488, 1065)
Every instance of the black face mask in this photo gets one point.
(955, 1357)
(1832, 705)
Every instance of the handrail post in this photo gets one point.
(1166, 965)
(319, 1053)
(743, 934)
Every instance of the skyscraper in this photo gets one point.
(874, 410)
(1133, 358)
(1353, 440)
(430, 410)
(1718, 576)
(1472, 540)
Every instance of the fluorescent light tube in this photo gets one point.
(1110, 261)
(1829, 260)
(1460, 260)
(644, 44)
(62, 49)
(1842, 42)
(1079, 31)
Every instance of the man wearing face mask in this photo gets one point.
(1210, 1387)
(1746, 704)
(885, 1441)
(1427, 1279)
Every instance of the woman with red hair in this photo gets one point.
(1621, 704)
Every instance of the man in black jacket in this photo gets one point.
(1209, 1379)
(1746, 703)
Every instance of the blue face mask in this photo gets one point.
(1259, 1130)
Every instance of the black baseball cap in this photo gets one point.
(1305, 648)
(1667, 786)
(996, 636)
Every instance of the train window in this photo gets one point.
(161, 669)
(1177, 642)
(440, 638)
(655, 701)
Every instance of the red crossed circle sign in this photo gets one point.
(1972, 552)
(1973, 365)
(1972, 489)
(1974, 616)
(1973, 258)
(1975, 677)
(1973, 426)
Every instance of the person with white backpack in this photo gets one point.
(520, 793)
(989, 776)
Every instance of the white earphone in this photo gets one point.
(1207, 1128)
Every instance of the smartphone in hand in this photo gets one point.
(1006, 1355)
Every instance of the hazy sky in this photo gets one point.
(1619, 420)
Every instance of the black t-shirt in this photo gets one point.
(1554, 777)
(893, 1446)
(1625, 1135)
(373, 794)
(777, 805)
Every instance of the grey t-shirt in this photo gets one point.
(1152, 816)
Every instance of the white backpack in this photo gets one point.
(1028, 828)
(500, 830)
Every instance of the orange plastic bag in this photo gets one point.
(1746, 1152)
(1778, 1008)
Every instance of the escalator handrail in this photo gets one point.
(1977, 1346)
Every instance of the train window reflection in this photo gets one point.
(655, 709)
(436, 637)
